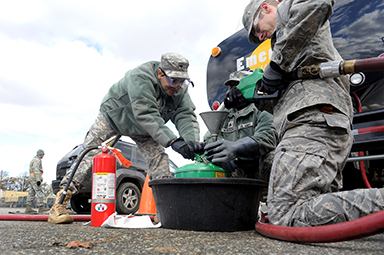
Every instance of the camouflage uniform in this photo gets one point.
(35, 175)
(313, 119)
(249, 121)
(137, 106)
(97, 134)
(254, 123)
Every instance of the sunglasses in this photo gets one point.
(256, 29)
(174, 82)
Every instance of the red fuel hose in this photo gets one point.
(366, 226)
(29, 217)
(368, 65)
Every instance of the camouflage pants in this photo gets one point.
(306, 174)
(35, 190)
(154, 154)
(102, 131)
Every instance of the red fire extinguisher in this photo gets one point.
(103, 187)
(104, 184)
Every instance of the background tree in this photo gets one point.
(3, 174)
(23, 181)
(47, 189)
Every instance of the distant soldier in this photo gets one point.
(35, 181)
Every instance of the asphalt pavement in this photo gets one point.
(39, 237)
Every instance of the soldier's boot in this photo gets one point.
(29, 209)
(58, 213)
(42, 209)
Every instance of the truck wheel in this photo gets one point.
(127, 198)
(80, 205)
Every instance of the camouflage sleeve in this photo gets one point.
(185, 119)
(37, 169)
(297, 23)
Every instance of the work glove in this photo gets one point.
(223, 151)
(197, 147)
(229, 167)
(273, 79)
(38, 183)
(235, 99)
(186, 149)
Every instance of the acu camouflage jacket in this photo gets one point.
(302, 37)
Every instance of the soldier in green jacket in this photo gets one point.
(35, 180)
(247, 138)
(139, 106)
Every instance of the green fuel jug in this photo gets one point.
(200, 169)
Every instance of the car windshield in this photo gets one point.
(74, 151)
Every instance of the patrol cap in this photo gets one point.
(174, 65)
(248, 17)
(40, 152)
(235, 77)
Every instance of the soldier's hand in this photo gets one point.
(273, 78)
(197, 147)
(235, 99)
(182, 147)
(38, 183)
(221, 151)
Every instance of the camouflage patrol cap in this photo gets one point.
(235, 77)
(40, 152)
(248, 17)
(174, 65)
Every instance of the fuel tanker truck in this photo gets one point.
(359, 37)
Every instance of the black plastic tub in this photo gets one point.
(207, 204)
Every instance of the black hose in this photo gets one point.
(115, 141)
(74, 171)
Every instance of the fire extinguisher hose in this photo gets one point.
(74, 171)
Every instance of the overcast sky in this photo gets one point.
(59, 58)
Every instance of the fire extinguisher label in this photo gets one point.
(103, 186)
(101, 207)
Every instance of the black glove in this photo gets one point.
(38, 183)
(223, 150)
(229, 166)
(186, 149)
(273, 79)
(197, 147)
(235, 99)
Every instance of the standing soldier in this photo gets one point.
(35, 181)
